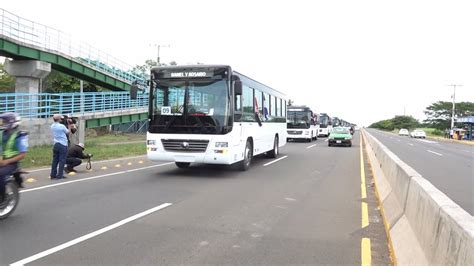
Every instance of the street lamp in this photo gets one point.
(454, 103)
(158, 51)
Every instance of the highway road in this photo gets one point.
(447, 165)
(305, 207)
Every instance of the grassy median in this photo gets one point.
(102, 147)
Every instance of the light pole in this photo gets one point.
(158, 51)
(454, 103)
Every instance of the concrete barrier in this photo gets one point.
(424, 225)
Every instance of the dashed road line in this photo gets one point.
(365, 215)
(439, 154)
(366, 254)
(274, 161)
(411, 144)
(90, 235)
(311, 146)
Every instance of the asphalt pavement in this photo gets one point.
(302, 208)
(447, 165)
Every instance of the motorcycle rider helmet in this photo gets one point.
(9, 120)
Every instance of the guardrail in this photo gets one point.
(50, 39)
(425, 227)
(44, 105)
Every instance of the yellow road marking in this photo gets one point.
(140, 161)
(117, 165)
(362, 172)
(104, 168)
(129, 163)
(365, 215)
(30, 180)
(72, 173)
(366, 254)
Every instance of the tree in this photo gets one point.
(408, 122)
(439, 113)
(7, 82)
(57, 82)
(399, 121)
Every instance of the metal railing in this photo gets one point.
(44, 105)
(37, 35)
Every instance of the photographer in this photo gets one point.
(74, 156)
(69, 123)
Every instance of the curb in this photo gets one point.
(32, 170)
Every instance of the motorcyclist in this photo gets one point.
(14, 146)
(74, 156)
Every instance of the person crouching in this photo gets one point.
(74, 156)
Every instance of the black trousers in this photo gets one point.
(72, 162)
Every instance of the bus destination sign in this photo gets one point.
(189, 74)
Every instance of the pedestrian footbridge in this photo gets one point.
(22, 39)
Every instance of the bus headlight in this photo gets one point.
(221, 144)
(150, 142)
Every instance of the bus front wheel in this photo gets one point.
(248, 154)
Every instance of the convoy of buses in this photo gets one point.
(215, 115)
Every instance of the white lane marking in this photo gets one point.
(90, 235)
(439, 154)
(311, 146)
(428, 141)
(411, 144)
(274, 161)
(104, 161)
(326, 140)
(290, 199)
(91, 178)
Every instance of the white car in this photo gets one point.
(403, 132)
(418, 133)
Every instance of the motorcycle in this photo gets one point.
(12, 194)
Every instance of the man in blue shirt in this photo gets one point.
(59, 132)
(13, 147)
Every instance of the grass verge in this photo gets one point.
(102, 147)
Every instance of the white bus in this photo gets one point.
(212, 114)
(301, 123)
(325, 125)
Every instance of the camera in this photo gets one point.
(69, 121)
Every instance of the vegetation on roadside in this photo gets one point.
(438, 118)
(397, 122)
(438, 114)
(102, 147)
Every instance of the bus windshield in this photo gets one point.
(324, 121)
(190, 106)
(298, 119)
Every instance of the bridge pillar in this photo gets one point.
(82, 130)
(28, 74)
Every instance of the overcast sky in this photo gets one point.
(362, 61)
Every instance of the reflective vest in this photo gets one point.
(9, 149)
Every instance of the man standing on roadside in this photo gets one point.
(59, 132)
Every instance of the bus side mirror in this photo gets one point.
(133, 92)
(238, 87)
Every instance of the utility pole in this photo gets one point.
(454, 103)
(158, 51)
